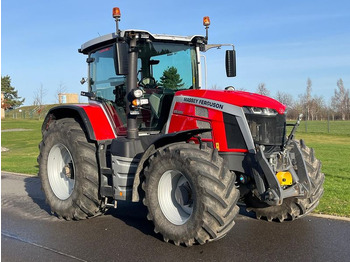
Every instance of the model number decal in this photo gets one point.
(204, 102)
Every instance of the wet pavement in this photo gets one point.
(30, 233)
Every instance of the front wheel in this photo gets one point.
(294, 207)
(190, 194)
(68, 171)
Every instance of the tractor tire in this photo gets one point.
(294, 207)
(68, 171)
(190, 194)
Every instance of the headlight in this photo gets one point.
(260, 111)
(137, 93)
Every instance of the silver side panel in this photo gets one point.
(123, 178)
(217, 105)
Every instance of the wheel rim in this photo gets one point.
(61, 171)
(175, 197)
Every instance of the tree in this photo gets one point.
(308, 97)
(285, 98)
(171, 79)
(262, 90)
(39, 95)
(11, 98)
(60, 90)
(341, 100)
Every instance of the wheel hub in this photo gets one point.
(60, 170)
(175, 197)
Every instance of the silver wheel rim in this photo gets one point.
(61, 171)
(175, 197)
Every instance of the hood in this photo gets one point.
(237, 98)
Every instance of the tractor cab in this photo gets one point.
(137, 73)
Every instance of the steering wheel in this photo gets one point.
(148, 82)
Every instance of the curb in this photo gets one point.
(330, 217)
(17, 174)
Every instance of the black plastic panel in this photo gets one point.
(234, 135)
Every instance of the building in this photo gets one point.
(2, 104)
(64, 98)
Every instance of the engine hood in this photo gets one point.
(237, 98)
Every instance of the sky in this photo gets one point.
(278, 43)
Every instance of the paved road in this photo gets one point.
(30, 233)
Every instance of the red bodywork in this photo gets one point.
(107, 124)
(237, 98)
(104, 120)
(184, 116)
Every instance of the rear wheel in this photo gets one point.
(190, 194)
(293, 208)
(68, 171)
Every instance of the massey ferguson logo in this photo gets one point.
(203, 102)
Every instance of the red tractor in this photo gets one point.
(150, 133)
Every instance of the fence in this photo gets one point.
(336, 127)
(29, 112)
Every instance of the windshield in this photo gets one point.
(172, 66)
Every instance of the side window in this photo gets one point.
(103, 77)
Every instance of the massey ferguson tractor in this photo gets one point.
(151, 133)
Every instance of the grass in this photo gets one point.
(334, 152)
(23, 145)
(333, 149)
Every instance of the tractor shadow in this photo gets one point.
(134, 215)
(32, 186)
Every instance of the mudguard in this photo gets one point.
(92, 116)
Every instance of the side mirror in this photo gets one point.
(121, 58)
(230, 60)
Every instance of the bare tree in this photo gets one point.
(60, 90)
(39, 95)
(306, 99)
(316, 107)
(341, 100)
(262, 90)
(285, 98)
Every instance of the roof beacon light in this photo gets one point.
(206, 23)
(116, 12)
(116, 15)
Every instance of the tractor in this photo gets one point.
(152, 133)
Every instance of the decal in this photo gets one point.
(202, 102)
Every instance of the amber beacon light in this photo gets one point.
(116, 12)
(206, 21)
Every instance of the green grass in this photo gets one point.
(322, 127)
(332, 149)
(23, 145)
(334, 152)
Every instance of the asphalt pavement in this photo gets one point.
(30, 233)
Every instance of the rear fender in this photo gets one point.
(93, 118)
(163, 141)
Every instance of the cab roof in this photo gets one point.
(110, 38)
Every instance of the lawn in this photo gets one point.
(333, 149)
(22, 145)
(334, 152)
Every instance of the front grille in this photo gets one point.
(267, 130)
(234, 136)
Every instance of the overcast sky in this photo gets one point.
(279, 43)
